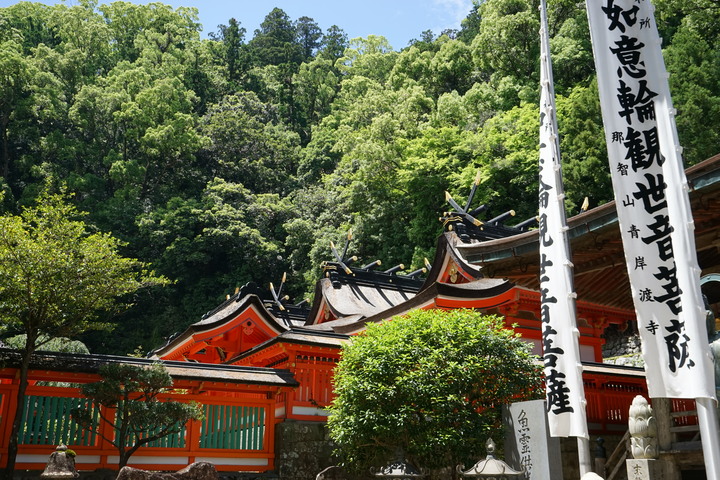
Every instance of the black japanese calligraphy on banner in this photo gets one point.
(565, 395)
(651, 196)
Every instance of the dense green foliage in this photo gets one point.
(432, 383)
(239, 157)
(140, 416)
(56, 279)
(57, 344)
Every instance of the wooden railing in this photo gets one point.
(609, 391)
(236, 433)
(677, 435)
(315, 393)
(615, 465)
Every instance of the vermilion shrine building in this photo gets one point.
(256, 360)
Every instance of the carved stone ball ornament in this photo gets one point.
(643, 429)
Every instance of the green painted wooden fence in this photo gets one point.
(233, 427)
(47, 421)
(174, 440)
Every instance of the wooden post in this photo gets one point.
(662, 409)
(600, 457)
(192, 438)
(10, 405)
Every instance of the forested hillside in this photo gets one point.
(239, 157)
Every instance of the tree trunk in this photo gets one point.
(124, 457)
(121, 433)
(22, 388)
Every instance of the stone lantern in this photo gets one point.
(60, 465)
(491, 468)
(400, 469)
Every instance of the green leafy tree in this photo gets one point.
(276, 42)
(426, 41)
(694, 66)
(431, 382)
(227, 237)
(28, 22)
(586, 172)
(157, 22)
(140, 135)
(370, 57)
(15, 73)
(232, 38)
(316, 84)
(428, 162)
(571, 50)
(506, 153)
(309, 36)
(412, 67)
(333, 43)
(248, 144)
(452, 66)
(58, 344)
(141, 417)
(55, 279)
(470, 25)
(507, 41)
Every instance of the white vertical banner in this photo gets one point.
(651, 195)
(565, 395)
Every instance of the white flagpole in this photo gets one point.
(565, 394)
(708, 423)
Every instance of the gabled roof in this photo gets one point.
(451, 283)
(353, 299)
(482, 293)
(296, 337)
(358, 292)
(227, 316)
(449, 266)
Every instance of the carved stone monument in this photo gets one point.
(643, 442)
(61, 464)
(643, 430)
(644, 469)
(528, 443)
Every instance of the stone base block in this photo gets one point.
(644, 469)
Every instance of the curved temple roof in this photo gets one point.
(596, 246)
